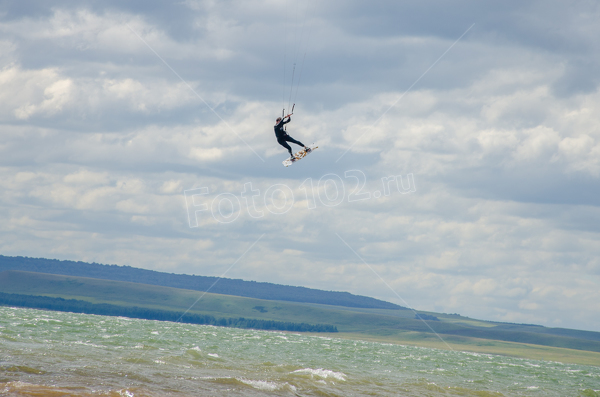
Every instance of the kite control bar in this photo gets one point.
(283, 112)
(290, 113)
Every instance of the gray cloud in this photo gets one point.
(100, 139)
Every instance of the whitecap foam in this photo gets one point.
(18, 384)
(213, 355)
(321, 373)
(261, 384)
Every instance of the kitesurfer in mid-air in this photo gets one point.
(282, 137)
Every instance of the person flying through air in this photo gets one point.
(283, 137)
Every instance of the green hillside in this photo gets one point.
(378, 324)
(166, 298)
(226, 286)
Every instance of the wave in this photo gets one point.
(24, 389)
(322, 373)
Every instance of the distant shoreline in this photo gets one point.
(407, 327)
(105, 309)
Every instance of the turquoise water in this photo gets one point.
(44, 353)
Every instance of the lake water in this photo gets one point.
(44, 353)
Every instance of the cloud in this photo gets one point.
(101, 140)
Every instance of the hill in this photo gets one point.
(357, 323)
(226, 286)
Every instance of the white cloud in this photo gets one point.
(100, 139)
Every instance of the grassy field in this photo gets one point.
(392, 326)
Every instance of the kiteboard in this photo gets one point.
(299, 155)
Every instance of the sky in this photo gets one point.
(458, 158)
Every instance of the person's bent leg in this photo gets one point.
(290, 139)
(285, 145)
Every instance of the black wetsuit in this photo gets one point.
(283, 137)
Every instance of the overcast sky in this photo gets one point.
(141, 134)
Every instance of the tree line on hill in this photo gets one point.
(235, 287)
(105, 309)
